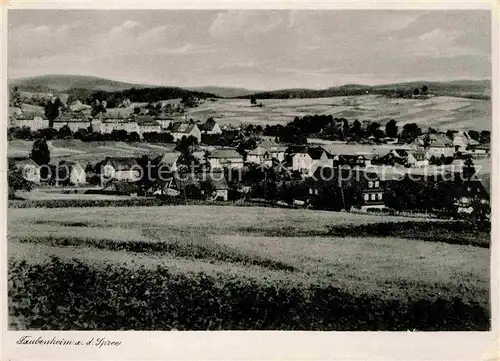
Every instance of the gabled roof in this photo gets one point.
(145, 121)
(209, 125)
(257, 151)
(72, 117)
(180, 127)
(26, 162)
(418, 154)
(29, 115)
(314, 152)
(271, 146)
(224, 153)
(122, 163)
(401, 153)
(440, 140)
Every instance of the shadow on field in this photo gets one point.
(460, 233)
(73, 295)
(183, 249)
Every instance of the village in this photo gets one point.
(214, 162)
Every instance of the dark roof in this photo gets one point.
(180, 127)
(224, 153)
(208, 125)
(401, 152)
(122, 163)
(72, 117)
(314, 152)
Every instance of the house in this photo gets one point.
(180, 129)
(225, 158)
(164, 121)
(147, 124)
(121, 168)
(358, 187)
(438, 145)
(31, 170)
(462, 141)
(71, 173)
(74, 120)
(306, 159)
(275, 150)
(473, 192)
(417, 158)
(259, 155)
(210, 127)
(180, 183)
(32, 120)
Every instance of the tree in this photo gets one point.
(52, 111)
(474, 134)
(356, 130)
(485, 137)
(40, 154)
(425, 89)
(411, 131)
(15, 97)
(81, 134)
(416, 91)
(134, 137)
(65, 132)
(391, 129)
(16, 180)
(253, 100)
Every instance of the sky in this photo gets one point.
(253, 49)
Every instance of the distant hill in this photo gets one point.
(85, 87)
(225, 92)
(477, 89)
(64, 83)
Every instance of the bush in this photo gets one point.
(73, 295)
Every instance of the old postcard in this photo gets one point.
(192, 168)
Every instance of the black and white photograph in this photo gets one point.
(249, 170)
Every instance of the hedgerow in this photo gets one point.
(454, 232)
(73, 295)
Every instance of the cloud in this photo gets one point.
(244, 23)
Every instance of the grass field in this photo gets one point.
(76, 150)
(319, 267)
(439, 112)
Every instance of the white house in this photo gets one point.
(121, 168)
(275, 150)
(72, 173)
(34, 121)
(210, 127)
(225, 158)
(74, 121)
(180, 130)
(147, 124)
(307, 160)
(259, 155)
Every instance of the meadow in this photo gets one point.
(442, 112)
(223, 267)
